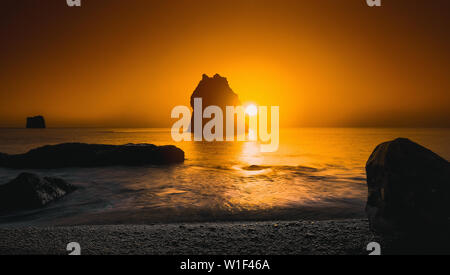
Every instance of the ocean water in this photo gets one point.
(315, 174)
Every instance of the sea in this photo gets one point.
(316, 174)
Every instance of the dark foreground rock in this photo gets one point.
(37, 122)
(29, 191)
(409, 189)
(93, 155)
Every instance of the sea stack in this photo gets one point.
(409, 189)
(37, 122)
(214, 91)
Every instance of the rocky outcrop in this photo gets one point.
(409, 188)
(29, 191)
(214, 91)
(37, 122)
(93, 155)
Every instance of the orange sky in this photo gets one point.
(117, 63)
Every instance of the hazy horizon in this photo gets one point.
(288, 127)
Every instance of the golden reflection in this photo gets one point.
(251, 153)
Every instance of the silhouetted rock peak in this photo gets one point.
(409, 188)
(37, 122)
(215, 91)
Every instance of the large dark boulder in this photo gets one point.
(93, 155)
(214, 91)
(29, 191)
(409, 188)
(37, 122)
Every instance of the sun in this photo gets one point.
(251, 110)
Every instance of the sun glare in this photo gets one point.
(251, 110)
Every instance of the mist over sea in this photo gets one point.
(317, 173)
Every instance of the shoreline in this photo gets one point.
(333, 237)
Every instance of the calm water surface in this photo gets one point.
(315, 174)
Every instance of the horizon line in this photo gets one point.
(287, 127)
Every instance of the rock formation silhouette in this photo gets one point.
(37, 122)
(214, 91)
